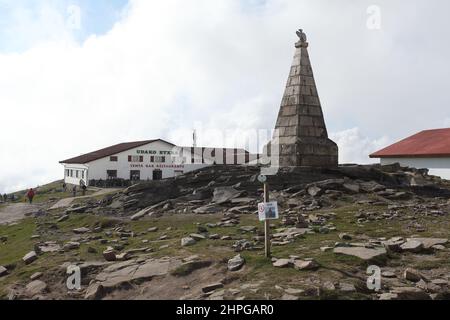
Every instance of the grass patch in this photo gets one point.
(19, 241)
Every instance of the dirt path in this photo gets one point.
(64, 203)
(15, 212)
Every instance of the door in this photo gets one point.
(135, 175)
(157, 175)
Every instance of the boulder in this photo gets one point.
(412, 246)
(248, 229)
(345, 237)
(188, 241)
(438, 247)
(306, 265)
(30, 257)
(35, 287)
(211, 208)
(190, 265)
(351, 187)
(123, 256)
(139, 215)
(388, 274)
(49, 246)
(294, 291)
(94, 292)
(394, 244)
(197, 237)
(134, 271)
(412, 275)
(388, 296)
(410, 293)
(212, 287)
(223, 195)
(72, 245)
(236, 263)
(3, 271)
(109, 254)
(429, 242)
(365, 254)
(314, 191)
(36, 276)
(81, 209)
(82, 230)
(282, 263)
(63, 218)
(347, 287)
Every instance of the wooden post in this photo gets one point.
(266, 223)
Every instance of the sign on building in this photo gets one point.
(268, 211)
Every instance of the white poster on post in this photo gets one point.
(268, 211)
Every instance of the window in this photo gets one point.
(179, 160)
(71, 173)
(160, 159)
(82, 174)
(135, 158)
(113, 159)
(111, 174)
(76, 173)
(67, 173)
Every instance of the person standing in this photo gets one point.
(74, 191)
(30, 195)
(83, 188)
(64, 187)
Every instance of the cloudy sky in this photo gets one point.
(78, 75)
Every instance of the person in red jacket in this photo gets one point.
(30, 195)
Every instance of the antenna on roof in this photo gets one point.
(194, 138)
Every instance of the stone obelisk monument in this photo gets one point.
(303, 138)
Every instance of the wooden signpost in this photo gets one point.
(267, 211)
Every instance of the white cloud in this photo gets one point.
(356, 148)
(170, 64)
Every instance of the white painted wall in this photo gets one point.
(98, 169)
(73, 168)
(438, 166)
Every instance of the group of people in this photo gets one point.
(31, 193)
(83, 188)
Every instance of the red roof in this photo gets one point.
(428, 143)
(106, 152)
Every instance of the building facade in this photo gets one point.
(146, 160)
(429, 149)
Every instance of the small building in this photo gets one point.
(145, 160)
(429, 149)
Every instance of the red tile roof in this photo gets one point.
(106, 152)
(428, 143)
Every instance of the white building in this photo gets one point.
(429, 149)
(146, 160)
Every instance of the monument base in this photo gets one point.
(306, 152)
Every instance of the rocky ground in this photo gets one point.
(198, 237)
